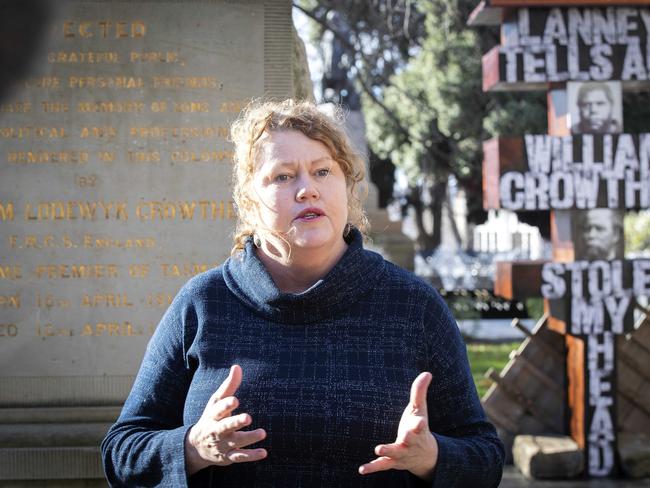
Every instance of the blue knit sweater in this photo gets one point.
(326, 373)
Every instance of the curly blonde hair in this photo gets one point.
(263, 117)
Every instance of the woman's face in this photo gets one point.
(301, 191)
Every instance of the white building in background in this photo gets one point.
(503, 233)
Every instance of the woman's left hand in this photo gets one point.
(415, 448)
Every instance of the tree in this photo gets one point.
(418, 67)
(439, 93)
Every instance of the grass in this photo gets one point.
(483, 356)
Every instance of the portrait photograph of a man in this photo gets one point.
(599, 234)
(595, 107)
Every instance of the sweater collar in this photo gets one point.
(352, 277)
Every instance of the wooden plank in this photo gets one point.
(496, 402)
(633, 363)
(521, 174)
(533, 425)
(560, 221)
(546, 380)
(641, 336)
(499, 417)
(492, 77)
(514, 194)
(491, 174)
(483, 14)
(644, 310)
(518, 324)
(576, 388)
(558, 110)
(634, 386)
(552, 345)
(528, 382)
(542, 346)
(550, 364)
(491, 12)
(511, 66)
(541, 402)
(562, 236)
(525, 423)
(494, 62)
(563, 251)
(557, 311)
(635, 357)
(503, 282)
(518, 280)
(500, 155)
(510, 389)
(630, 418)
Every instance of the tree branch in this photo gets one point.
(431, 148)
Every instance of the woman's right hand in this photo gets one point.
(216, 439)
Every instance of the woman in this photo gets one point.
(290, 364)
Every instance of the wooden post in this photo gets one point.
(586, 174)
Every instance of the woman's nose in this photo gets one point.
(306, 189)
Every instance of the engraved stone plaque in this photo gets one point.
(115, 179)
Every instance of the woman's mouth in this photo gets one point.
(310, 214)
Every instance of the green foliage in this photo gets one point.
(637, 232)
(482, 357)
(514, 115)
(535, 307)
(636, 111)
(418, 67)
(438, 97)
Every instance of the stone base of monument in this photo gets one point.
(53, 447)
(547, 457)
(99, 483)
(386, 236)
(634, 453)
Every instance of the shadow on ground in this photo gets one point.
(512, 478)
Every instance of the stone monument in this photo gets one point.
(115, 171)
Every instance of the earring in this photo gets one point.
(257, 241)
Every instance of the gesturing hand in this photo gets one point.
(415, 448)
(216, 438)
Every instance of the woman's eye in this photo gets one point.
(281, 178)
(323, 172)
